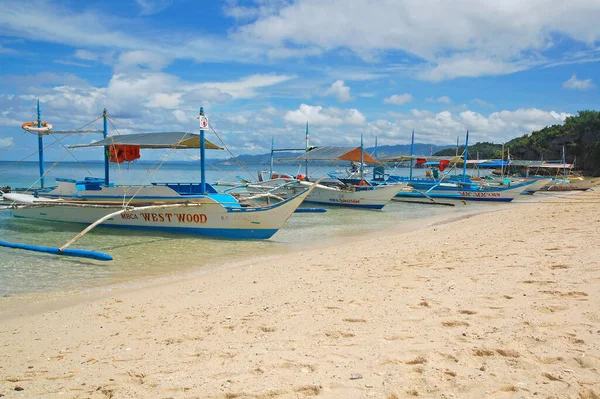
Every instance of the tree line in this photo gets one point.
(579, 134)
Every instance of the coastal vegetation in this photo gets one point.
(579, 134)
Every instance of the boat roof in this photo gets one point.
(179, 140)
(540, 164)
(401, 158)
(332, 153)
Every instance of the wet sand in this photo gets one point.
(496, 305)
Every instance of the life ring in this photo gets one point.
(33, 127)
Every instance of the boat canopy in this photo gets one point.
(334, 153)
(540, 164)
(179, 140)
(403, 158)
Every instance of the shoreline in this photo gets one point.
(38, 302)
(498, 304)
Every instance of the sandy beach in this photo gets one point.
(503, 304)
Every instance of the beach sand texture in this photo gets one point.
(498, 305)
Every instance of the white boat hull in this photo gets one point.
(206, 218)
(446, 191)
(358, 197)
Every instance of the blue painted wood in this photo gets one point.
(40, 145)
(78, 253)
(105, 134)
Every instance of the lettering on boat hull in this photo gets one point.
(151, 217)
(477, 194)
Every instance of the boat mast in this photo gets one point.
(362, 158)
(457, 146)
(564, 162)
(412, 153)
(40, 145)
(306, 161)
(464, 176)
(106, 148)
(502, 163)
(271, 160)
(202, 151)
(375, 150)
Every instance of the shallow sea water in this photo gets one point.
(146, 255)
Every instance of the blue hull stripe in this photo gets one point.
(454, 197)
(250, 234)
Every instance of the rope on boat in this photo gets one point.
(229, 151)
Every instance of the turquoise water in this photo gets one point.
(138, 255)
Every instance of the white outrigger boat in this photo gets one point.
(200, 211)
(330, 191)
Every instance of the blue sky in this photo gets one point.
(262, 69)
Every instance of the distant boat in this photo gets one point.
(331, 191)
(464, 189)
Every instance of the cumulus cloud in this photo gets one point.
(443, 127)
(317, 115)
(6, 141)
(149, 7)
(246, 87)
(339, 91)
(399, 99)
(238, 119)
(6, 50)
(482, 103)
(86, 55)
(490, 37)
(441, 100)
(578, 84)
(147, 60)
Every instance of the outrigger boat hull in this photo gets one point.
(367, 197)
(505, 194)
(206, 218)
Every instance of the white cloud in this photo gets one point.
(149, 7)
(317, 115)
(86, 55)
(6, 141)
(134, 60)
(483, 103)
(578, 84)
(399, 99)
(293, 52)
(6, 50)
(497, 127)
(491, 37)
(238, 119)
(441, 100)
(461, 65)
(182, 117)
(339, 91)
(246, 87)
(165, 100)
